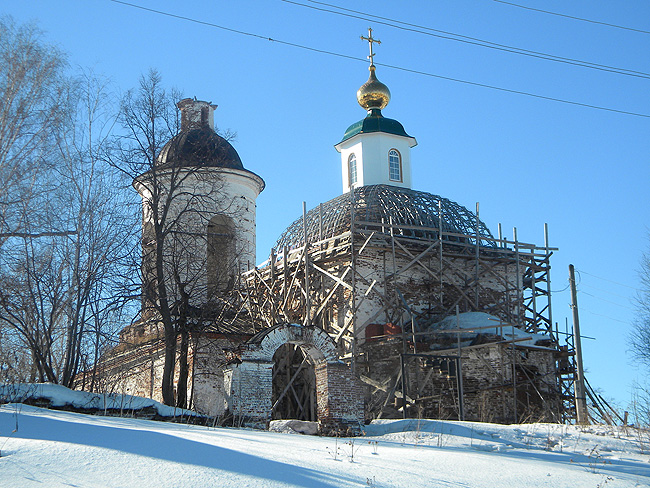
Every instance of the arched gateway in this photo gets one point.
(249, 381)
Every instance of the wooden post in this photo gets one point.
(440, 252)
(506, 282)
(459, 372)
(321, 278)
(548, 281)
(285, 272)
(401, 357)
(514, 371)
(307, 319)
(478, 242)
(582, 415)
(320, 221)
(519, 292)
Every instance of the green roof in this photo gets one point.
(375, 122)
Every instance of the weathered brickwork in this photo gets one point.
(210, 356)
(314, 341)
(249, 389)
(487, 383)
(421, 288)
(340, 399)
(137, 370)
(249, 383)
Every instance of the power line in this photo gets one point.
(605, 316)
(611, 281)
(606, 291)
(608, 301)
(562, 290)
(508, 90)
(574, 18)
(420, 29)
(354, 58)
(471, 40)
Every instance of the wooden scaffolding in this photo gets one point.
(410, 277)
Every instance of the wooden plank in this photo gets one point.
(416, 259)
(293, 280)
(346, 326)
(365, 243)
(286, 388)
(329, 295)
(336, 279)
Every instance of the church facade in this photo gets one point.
(384, 302)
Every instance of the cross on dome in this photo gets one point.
(373, 94)
(370, 40)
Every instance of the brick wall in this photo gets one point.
(340, 399)
(487, 384)
(137, 370)
(249, 386)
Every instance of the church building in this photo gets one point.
(384, 302)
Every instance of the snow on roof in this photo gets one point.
(60, 396)
(475, 323)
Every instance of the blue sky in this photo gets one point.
(528, 161)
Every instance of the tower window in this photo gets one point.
(352, 169)
(394, 165)
(221, 255)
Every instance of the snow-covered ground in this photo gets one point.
(48, 448)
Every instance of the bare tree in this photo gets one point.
(32, 110)
(640, 340)
(97, 211)
(57, 290)
(180, 198)
(640, 346)
(149, 119)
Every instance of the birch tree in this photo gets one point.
(58, 292)
(32, 111)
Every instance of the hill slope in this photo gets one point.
(48, 448)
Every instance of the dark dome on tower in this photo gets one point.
(200, 146)
(418, 214)
(197, 144)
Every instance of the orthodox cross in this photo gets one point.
(370, 40)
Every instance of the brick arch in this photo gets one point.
(339, 395)
(316, 343)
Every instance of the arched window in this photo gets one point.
(352, 169)
(394, 165)
(221, 254)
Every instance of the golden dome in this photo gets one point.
(373, 94)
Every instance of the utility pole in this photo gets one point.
(582, 416)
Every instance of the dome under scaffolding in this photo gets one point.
(416, 213)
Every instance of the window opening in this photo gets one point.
(394, 165)
(221, 254)
(352, 169)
